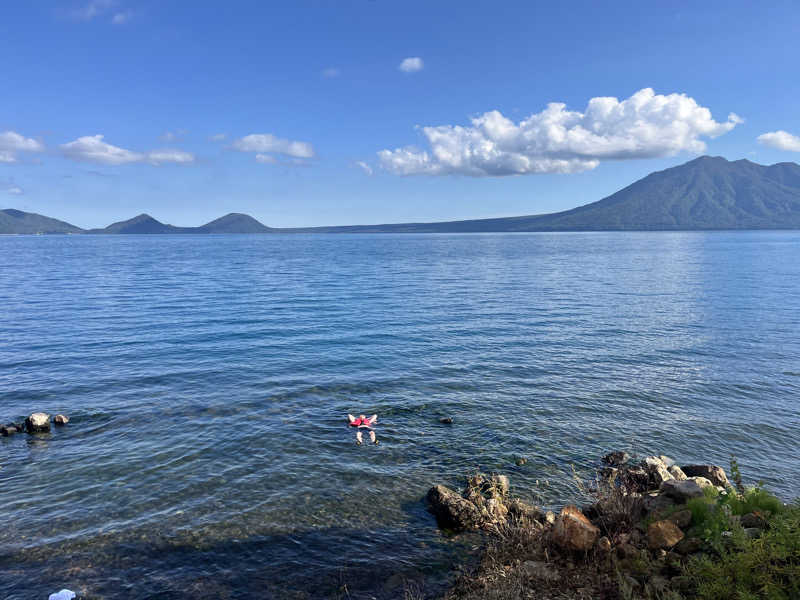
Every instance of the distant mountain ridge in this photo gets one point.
(705, 193)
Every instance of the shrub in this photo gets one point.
(767, 567)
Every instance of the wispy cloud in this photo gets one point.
(93, 149)
(95, 9)
(331, 72)
(11, 143)
(782, 140)
(411, 64)
(172, 136)
(218, 137)
(557, 140)
(9, 187)
(364, 167)
(266, 145)
(121, 18)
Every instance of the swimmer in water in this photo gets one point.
(362, 422)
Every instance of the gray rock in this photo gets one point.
(7, 430)
(452, 511)
(681, 490)
(713, 473)
(61, 419)
(37, 422)
(657, 503)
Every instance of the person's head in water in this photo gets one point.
(362, 417)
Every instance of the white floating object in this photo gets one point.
(62, 595)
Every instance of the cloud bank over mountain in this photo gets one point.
(557, 140)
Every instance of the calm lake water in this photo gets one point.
(208, 379)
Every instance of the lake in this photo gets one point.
(208, 380)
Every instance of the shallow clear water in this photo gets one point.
(208, 377)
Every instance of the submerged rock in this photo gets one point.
(10, 429)
(37, 422)
(446, 420)
(716, 475)
(573, 531)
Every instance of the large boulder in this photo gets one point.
(573, 531)
(452, 511)
(716, 475)
(681, 491)
(37, 422)
(662, 535)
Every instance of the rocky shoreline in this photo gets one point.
(651, 522)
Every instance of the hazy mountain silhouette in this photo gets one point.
(705, 193)
(17, 221)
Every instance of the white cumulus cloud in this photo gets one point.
(268, 143)
(92, 148)
(411, 64)
(782, 140)
(557, 140)
(12, 142)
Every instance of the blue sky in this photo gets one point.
(348, 112)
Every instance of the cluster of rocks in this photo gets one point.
(38, 422)
(640, 516)
(483, 504)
